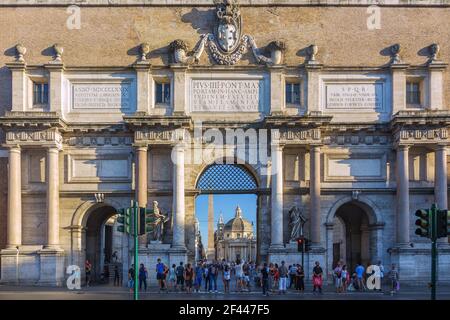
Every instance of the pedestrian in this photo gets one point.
(380, 274)
(131, 278)
(292, 274)
(239, 274)
(271, 277)
(226, 278)
(300, 279)
(88, 270)
(276, 277)
(213, 272)
(160, 269)
(116, 276)
(359, 276)
(180, 276)
(198, 277)
(337, 274)
(394, 277)
(172, 277)
(206, 276)
(345, 278)
(317, 278)
(283, 274)
(188, 277)
(143, 274)
(265, 272)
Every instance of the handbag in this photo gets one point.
(317, 281)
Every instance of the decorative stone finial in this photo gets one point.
(180, 50)
(395, 50)
(434, 51)
(276, 49)
(144, 49)
(58, 52)
(312, 52)
(21, 50)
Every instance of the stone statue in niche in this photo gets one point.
(296, 222)
(159, 219)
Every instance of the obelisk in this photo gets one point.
(210, 253)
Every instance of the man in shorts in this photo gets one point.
(180, 276)
(160, 275)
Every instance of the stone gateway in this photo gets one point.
(342, 121)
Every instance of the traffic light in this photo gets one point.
(301, 244)
(424, 223)
(146, 220)
(124, 220)
(307, 245)
(443, 223)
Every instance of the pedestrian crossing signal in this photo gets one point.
(423, 223)
(307, 245)
(301, 244)
(443, 223)
(146, 220)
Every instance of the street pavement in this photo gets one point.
(109, 292)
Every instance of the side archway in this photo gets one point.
(354, 229)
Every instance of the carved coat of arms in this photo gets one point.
(228, 26)
(226, 43)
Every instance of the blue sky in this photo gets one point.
(225, 203)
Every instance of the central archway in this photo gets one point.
(222, 186)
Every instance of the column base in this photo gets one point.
(20, 267)
(414, 263)
(51, 267)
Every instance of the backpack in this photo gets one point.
(213, 269)
(180, 271)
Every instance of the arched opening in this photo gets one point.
(351, 236)
(226, 209)
(102, 240)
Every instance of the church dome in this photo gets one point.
(238, 224)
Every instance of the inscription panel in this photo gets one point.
(101, 96)
(226, 95)
(344, 96)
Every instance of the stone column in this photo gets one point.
(440, 176)
(141, 175)
(277, 196)
(141, 184)
(314, 192)
(276, 90)
(18, 85)
(56, 75)
(178, 194)
(143, 86)
(52, 198)
(14, 224)
(402, 195)
(398, 74)
(179, 89)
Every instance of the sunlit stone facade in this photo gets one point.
(356, 114)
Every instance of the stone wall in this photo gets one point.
(110, 36)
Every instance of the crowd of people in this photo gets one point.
(248, 276)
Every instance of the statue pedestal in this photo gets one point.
(157, 250)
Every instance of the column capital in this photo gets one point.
(402, 147)
(440, 146)
(140, 146)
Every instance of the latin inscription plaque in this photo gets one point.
(101, 96)
(223, 95)
(354, 96)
